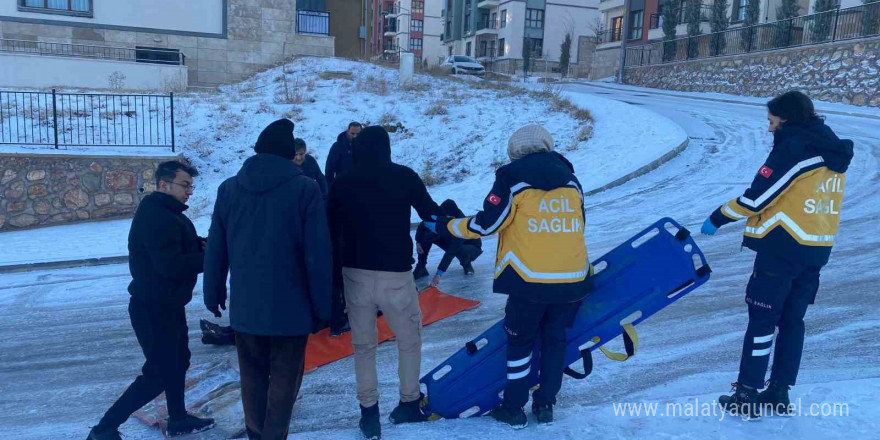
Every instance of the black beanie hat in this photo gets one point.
(277, 139)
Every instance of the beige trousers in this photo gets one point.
(395, 294)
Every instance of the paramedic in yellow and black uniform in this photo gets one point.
(793, 210)
(536, 208)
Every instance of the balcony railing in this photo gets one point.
(488, 24)
(836, 25)
(313, 22)
(140, 55)
(609, 36)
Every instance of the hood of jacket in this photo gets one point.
(450, 209)
(814, 137)
(264, 172)
(372, 147)
(545, 170)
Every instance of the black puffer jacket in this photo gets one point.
(165, 255)
(339, 160)
(269, 230)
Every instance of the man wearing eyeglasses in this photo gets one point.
(165, 258)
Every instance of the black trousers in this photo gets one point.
(271, 374)
(524, 322)
(162, 334)
(465, 253)
(777, 295)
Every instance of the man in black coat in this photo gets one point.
(339, 159)
(165, 258)
(369, 209)
(465, 250)
(269, 229)
(309, 166)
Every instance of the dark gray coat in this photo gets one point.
(269, 230)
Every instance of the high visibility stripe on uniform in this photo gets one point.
(520, 362)
(454, 228)
(781, 218)
(520, 375)
(491, 229)
(511, 259)
(728, 211)
(763, 352)
(763, 339)
(754, 204)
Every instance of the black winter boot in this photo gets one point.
(409, 412)
(515, 417)
(775, 398)
(543, 412)
(743, 402)
(420, 272)
(370, 427)
(189, 425)
(468, 269)
(98, 433)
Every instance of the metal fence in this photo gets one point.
(313, 22)
(836, 25)
(86, 120)
(141, 55)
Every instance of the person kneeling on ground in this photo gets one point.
(536, 206)
(792, 212)
(465, 250)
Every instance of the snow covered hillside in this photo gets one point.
(452, 131)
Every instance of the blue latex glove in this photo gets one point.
(432, 226)
(436, 280)
(708, 228)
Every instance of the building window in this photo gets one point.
(418, 7)
(484, 47)
(82, 8)
(418, 25)
(157, 55)
(501, 47)
(491, 48)
(467, 49)
(415, 43)
(636, 23)
(535, 47)
(740, 6)
(616, 28)
(467, 16)
(448, 29)
(535, 18)
(504, 18)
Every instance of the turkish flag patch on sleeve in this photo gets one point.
(493, 199)
(765, 172)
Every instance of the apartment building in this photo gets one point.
(407, 26)
(164, 44)
(496, 32)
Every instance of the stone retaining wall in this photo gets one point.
(847, 72)
(43, 189)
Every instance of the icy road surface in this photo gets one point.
(67, 349)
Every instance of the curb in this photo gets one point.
(66, 264)
(726, 101)
(643, 170)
